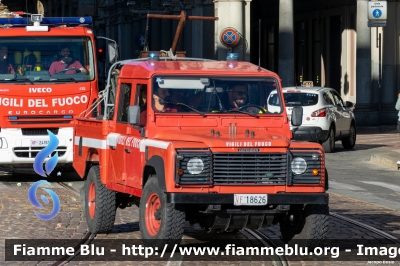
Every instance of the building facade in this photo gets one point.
(328, 42)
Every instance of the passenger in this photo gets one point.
(66, 62)
(160, 97)
(142, 103)
(5, 67)
(237, 96)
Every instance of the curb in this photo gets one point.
(391, 160)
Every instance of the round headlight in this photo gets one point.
(195, 166)
(299, 166)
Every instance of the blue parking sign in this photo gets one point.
(140, 40)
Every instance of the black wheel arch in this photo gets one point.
(155, 166)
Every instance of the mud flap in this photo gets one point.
(83, 198)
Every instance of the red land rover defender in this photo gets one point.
(192, 140)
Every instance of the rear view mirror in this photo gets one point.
(112, 52)
(297, 116)
(349, 104)
(134, 114)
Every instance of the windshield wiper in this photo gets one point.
(18, 80)
(187, 106)
(63, 80)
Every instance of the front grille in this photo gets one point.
(307, 177)
(31, 152)
(38, 131)
(250, 169)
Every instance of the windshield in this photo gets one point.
(300, 99)
(46, 59)
(213, 95)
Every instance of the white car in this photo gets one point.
(326, 118)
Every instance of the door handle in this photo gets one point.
(112, 147)
(127, 150)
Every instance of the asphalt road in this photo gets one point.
(352, 174)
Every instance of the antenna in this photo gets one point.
(146, 44)
(259, 44)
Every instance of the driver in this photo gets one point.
(237, 96)
(66, 62)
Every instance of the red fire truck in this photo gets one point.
(42, 88)
(188, 139)
(193, 140)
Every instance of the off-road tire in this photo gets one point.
(349, 142)
(311, 229)
(100, 217)
(329, 143)
(162, 225)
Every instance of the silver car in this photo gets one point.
(326, 118)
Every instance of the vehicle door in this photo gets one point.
(134, 158)
(345, 113)
(115, 139)
(118, 139)
(334, 111)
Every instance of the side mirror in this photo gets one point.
(297, 116)
(112, 53)
(134, 114)
(349, 104)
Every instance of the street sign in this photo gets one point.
(377, 10)
(140, 40)
(377, 23)
(229, 37)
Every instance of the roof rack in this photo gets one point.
(182, 18)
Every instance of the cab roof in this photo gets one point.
(53, 31)
(146, 69)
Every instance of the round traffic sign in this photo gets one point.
(229, 37)
(377, 13)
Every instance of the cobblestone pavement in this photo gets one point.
(18, 221)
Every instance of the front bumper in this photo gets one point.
(16, 150)
(280, 198)
(310, 133)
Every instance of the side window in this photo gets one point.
(123, 103)
(338, 100)
(111, 97)
(141, 96)
(329, 98)
(141, 100)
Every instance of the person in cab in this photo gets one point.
(67, 64)
(5, 66)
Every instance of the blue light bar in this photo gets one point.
(15, 21)
(67, 21)
(48, 21)
(153, 56)
(232, 56)
(68, 116)
(13, 117)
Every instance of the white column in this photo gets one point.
(286, 43)
(233, 14)
(365, 113)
